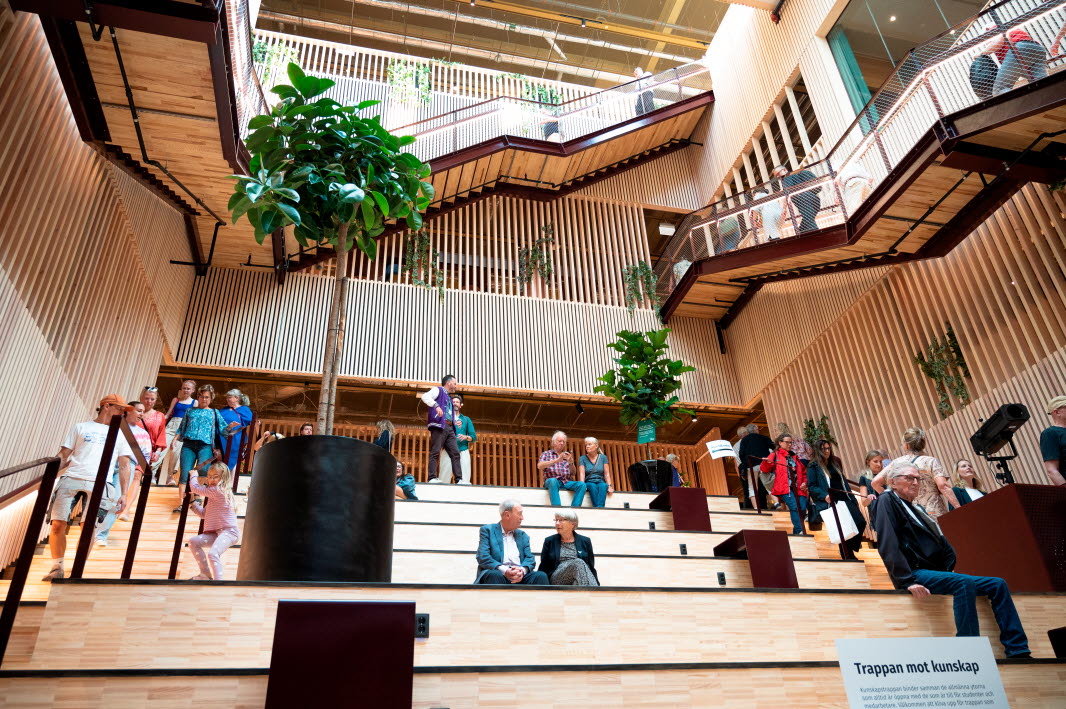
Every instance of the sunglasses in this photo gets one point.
(151, 388)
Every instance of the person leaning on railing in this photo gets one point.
(80, 463)
(919, 558)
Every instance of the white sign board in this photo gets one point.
(919, 673)
(721, 449)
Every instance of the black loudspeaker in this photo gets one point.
(998, 429)
(650, 476)
(320, 508)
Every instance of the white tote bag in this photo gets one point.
(847, 524)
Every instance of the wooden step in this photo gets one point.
(1032, 684)
(145, 624)
(539, 496)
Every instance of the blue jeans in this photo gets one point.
(797, 518)
(112, 514)
(597, 488)
(966, 589)
(1025, 60)
(193, 454)
(553, 485)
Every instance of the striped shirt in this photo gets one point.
(218, 514)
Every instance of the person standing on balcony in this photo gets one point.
(1019, 57)
(646, 98)
(805, 204)
(441, 425)
(464, 436)
(236, 411)
(80, 458)
(557, 467)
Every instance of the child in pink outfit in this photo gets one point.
(220, 521)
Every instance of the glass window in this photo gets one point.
(873, 36)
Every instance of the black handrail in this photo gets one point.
(29, 545)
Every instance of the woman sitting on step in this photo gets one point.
(567, 557)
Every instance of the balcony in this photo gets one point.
(930, 157)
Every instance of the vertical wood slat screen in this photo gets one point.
(479, 247)
(510, 459)
(243, 319)
(362, 74)
(1003, 293)
(78, 314)
(769, 54)
(664, 182)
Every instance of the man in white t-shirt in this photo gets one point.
(80, 455)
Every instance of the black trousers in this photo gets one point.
(444, 437)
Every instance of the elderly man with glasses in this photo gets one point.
(920, 559)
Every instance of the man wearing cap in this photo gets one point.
(79, 466)
(1053, 442)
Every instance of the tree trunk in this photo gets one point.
(334, 337)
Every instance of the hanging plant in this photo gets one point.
(943, 362)
(411, 82)
(640, 283)
(535, 259)
(419, 259)
(814, 432)
(539, 92)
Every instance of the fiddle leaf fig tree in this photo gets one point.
(645, 379)
(337, 177)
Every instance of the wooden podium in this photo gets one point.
(768, 554)
(1017, 533)
(342, 654)
(688, 505)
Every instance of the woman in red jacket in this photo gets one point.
(790, 480)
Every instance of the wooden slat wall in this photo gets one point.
(768, 55)
(160, 238)
(77, 312)
(243, 319)
(1002, 291)
(479, 248)
(663, 182)
(508, 459)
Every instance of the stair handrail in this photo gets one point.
(834, 168)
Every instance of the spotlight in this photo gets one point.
(583, 22)
(995, 433)
(473, 2)
(580, 408)
(891, 19)
(695, 419)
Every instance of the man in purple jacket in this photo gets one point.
(441, 425)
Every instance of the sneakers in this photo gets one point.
(176, 509)
(434, 480)
(101, 542)
(199, 577)
(124, 517)
(55, 573)
(462, 482)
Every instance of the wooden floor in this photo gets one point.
(1032, 686)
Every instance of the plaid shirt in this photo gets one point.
(560, 470)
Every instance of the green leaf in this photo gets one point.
(289, 211)
(405, 140)
(295, 72)
(383, 204)
(238, 209)
(414, 220)
(286, 192)
(365, 104)
(254, 190)
(370, 217)
(351, 193)
(259, 122)
(368, 247)
(285, 91)
(427, 189)
(270, 220)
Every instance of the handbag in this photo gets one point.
(847, 524)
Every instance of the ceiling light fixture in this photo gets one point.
(891, 19)
(580, 408)
(695, 419)
(583, 22)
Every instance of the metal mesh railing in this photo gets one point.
(251, 101)
(517, 117)
(989, 54)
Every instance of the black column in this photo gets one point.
(320, 508)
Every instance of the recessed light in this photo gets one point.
(891, 19)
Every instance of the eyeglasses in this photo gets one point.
(787, 441)
(909, 478)
(151, 388)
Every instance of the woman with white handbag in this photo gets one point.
(827, 472)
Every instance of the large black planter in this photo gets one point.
(320, 508)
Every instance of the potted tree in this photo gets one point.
(336, 176)
(644, 381)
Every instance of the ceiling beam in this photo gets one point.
(590, 23)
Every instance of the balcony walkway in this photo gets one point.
(925, 163)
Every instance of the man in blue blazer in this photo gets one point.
(503, 553)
